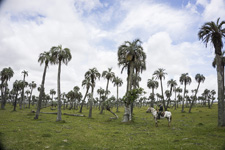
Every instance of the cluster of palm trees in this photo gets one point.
(185, 79)
(131, 57)
(56, 55)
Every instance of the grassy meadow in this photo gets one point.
(189, 131)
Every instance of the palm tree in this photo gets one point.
(100, 91)
(175, 98)
(85, 83)
(60, 56)
(160, 74)
(184, 79)
(213, 92)
(64, 100)
(71, 95)
(92, 75)
(172, 84)
(152, 84)
(25, 73)
(130, 56)
(117, 82)
(179, 91)
(17, 86)
(199, 78)
(43, 58)
(27, 92)
(32, 86)
(205, 94)
(167, 93)
(5, 75)
(52, 92)
(77, 95)
(108, 75)
(212, 32)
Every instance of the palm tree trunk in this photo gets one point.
(30, 96)
(52, 100)
(183, 98)
(169, 98)
(117, 95)
(106, 92)
(220, 91)
(164, 105)
(22, 94)
(14, 109)
(59, 113)
(127, 109)
(175, 99)
(41, 93)
(194, 98)
(223, 105)
(91, 101)
(2, 96)
(5, 96)
(82, 104)
(153, 98)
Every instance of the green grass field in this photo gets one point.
(189, 131)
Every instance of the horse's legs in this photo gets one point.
(156, 123)
(168, 121)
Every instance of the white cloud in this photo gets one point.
(213, 9)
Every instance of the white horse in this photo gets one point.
(167, 114)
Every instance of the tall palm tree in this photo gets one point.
(108, 75)
(43, 58)
(85, 83)
(92, 75)
(32, 86)
(160, 74)
(25, 73)
(184, 79)
(212, 32)
(5, 75)
(130, 56)
(199, 78)
(172, 84)
(152, 84)
(60, 56)
(117, 82)
(52, 92)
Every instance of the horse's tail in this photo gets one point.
(171, 118)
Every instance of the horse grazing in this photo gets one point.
(166, 114)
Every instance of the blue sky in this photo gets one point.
(93, 30)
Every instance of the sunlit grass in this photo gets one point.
(197, 130)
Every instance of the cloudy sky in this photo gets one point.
(94, 29)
